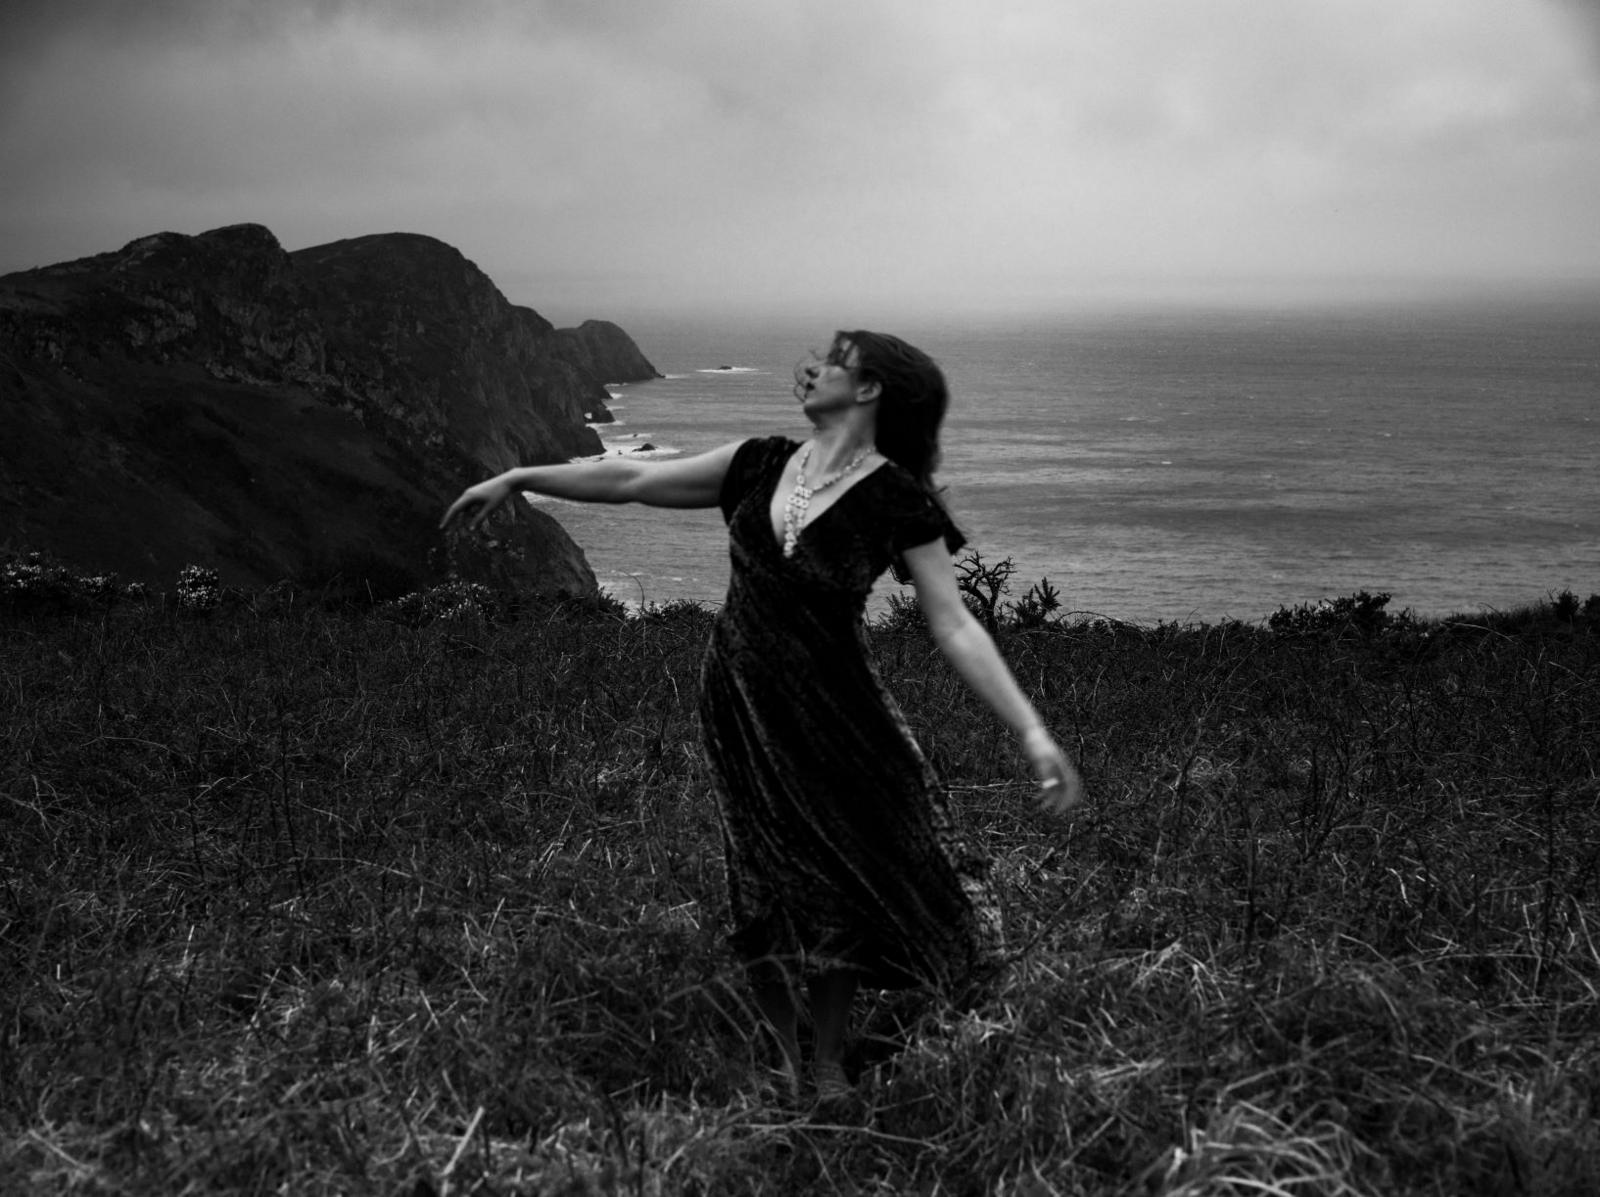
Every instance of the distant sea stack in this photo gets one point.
(215, 400)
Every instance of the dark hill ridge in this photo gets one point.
(214, 399)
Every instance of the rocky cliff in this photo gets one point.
(214, 399)
(604, 351)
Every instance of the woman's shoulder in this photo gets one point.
(901, 476)
(900, 481)
(915, 513)
(764, 448)
(752, 463)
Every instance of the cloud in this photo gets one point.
(1585, 14)
(741, 150)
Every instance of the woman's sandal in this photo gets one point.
(831, 1082)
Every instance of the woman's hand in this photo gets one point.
(1060, 787)
(485, 497)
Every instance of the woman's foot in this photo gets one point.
(780, 1084)
(831, 994)
(831, 1081)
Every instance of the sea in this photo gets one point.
(1184, 463)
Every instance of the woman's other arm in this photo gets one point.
(973, 654)
(681, 482)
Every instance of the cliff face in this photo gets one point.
(604, 351)
(213, 399)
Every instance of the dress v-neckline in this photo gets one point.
(775, 533)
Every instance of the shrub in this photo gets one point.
(34, 583)
(454, 600)
(1361, 614)
(904, 615)
(685, 614)
(1561, 613)
(1567, 608)
(605, 603)
(199, 590)
(1034, 608)
(983, 584)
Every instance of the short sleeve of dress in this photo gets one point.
(750, 462)
(918, 518)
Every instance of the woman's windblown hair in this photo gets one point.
(912, 401)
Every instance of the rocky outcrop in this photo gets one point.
(214, 399)
(604, 351)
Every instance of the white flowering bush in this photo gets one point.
(34, 583)
(454, 600)
(199, 590)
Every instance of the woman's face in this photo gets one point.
(827, 382)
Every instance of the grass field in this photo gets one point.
(311, 901)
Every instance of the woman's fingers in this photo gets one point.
(451, 511)
(1062, 794)
(485, 500)
(1060, 787)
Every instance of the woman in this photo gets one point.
(843, 865)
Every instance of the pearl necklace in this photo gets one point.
(794, 507)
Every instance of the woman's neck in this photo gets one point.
(836, 445)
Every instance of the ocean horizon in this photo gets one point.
(1185, 464)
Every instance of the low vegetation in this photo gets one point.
(426, 899)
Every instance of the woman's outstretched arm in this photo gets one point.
(971, 650)
(681, 482)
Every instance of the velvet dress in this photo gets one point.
(839, 842)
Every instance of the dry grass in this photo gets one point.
(315, 903)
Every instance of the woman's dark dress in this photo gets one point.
(839, 843)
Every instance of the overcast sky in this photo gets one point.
(601, 156)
